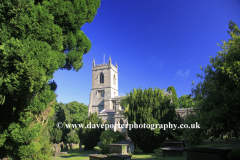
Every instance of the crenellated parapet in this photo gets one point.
(168, 93)
(105, 65)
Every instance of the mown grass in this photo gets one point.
(233, 145)
(157, 154)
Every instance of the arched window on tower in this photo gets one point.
(101, 78)
(121, 123)
(114, 79)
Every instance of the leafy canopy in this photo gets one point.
(149, 107)
(174, 96)
(217, 96)
(34, 38)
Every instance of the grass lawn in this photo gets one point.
(221, 144)
(76, 155)
(234, 145)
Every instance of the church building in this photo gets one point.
(104, 97)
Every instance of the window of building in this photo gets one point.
(114, 79)
(114, 105)
(101, 78)
(121, 123)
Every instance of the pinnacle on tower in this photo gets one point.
(116, 65)
(109, 61)
(93, 63)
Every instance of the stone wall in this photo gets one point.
(183, 112)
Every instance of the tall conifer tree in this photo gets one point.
(174, 96)
(34, 36)
(148, 107)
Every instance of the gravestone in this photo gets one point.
(173, 144)
(173, 149)
(80, 147)
(119, 157)
(57, 149)
(67, 146)
(97, 157)
(70, 145)
(118, 148)
(130, 145)
(62, 149)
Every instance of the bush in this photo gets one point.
(90, 136)
(108, 137)
(72, 137)
(194, 136)
(148, 107)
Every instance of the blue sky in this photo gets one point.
(156, 43)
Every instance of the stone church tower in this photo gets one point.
(104, 97)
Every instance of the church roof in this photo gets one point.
(117, 97)
(108, 111)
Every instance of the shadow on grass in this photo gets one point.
(157, 154)
(234, 145)
(75, 152)
(234, 154)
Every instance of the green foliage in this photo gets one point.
(33, 39)
(2, 99)
(72, 137)
(90, 136)
(53, 85)
(177, 135)
(71, 113)
(78, 111)
(108, 137)
(185, 101)
(56, 136)
(194, 136)
(149, 107)
(217, 96)
(62, 113)
(230, 51)
(174, 96)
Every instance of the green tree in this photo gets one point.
(72, 137)
(149, 107)
(230, 51)
(108, 137)
(56, 136)
(71, 113)
(33, 39)
(90, 136)
(62, 114)
(174, 96)
(78, 111)
(218, 94)
(186, 101)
